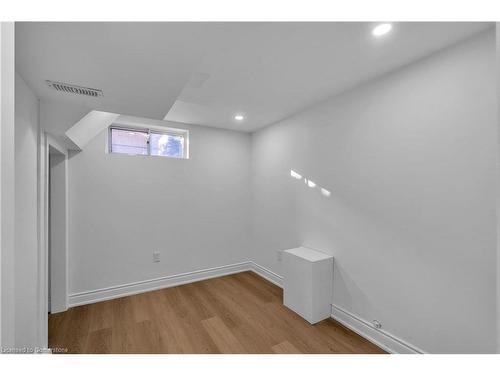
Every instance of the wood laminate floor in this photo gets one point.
(241, 313)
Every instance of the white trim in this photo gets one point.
(267, 274)
(1, 105)
(52, 142)
(128, 289)
(42, 309)
(7, 183)
(379, 337)
(47, 141)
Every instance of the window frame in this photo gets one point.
(150, 129)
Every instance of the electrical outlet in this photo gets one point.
(156, 256)
(279, 255)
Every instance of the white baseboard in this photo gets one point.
(267, 274)
(103, 294)
(379, 337)
(123, 290)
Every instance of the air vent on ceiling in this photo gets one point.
(74, 89)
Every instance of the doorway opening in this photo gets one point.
(57, 237)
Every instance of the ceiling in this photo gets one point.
(205, 73)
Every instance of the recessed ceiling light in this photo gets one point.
(239, 117)
(381, 29)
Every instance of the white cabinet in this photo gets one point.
(308, 283)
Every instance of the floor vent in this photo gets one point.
(74, 89)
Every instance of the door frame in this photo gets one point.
(46, 142)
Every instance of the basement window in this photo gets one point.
(171, 143)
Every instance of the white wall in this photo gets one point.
(196, 212)
(26, 215)
(410, 160)
(498, 183)
(7, 192)
(56, 117)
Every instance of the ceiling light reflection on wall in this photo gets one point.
(381, 29)
(239, 117)
(309, 183)
(295, 174)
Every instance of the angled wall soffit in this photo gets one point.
(89, 126)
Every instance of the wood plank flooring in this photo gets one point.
(241, 313)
